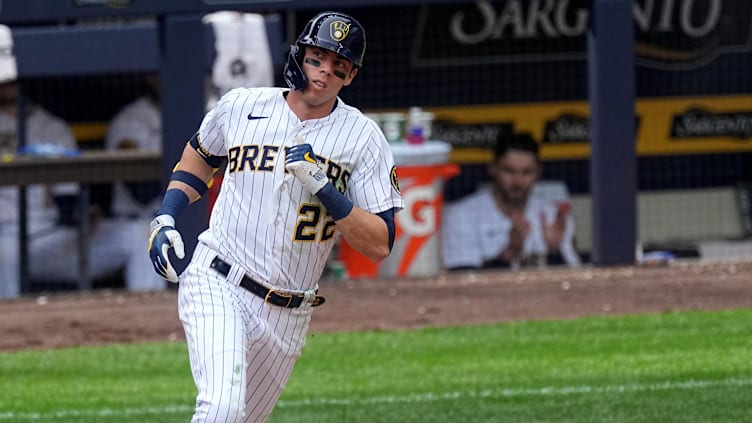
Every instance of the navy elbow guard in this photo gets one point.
(191, 180)
(176, 200)
(388, 217)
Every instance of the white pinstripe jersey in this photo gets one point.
(263, 219)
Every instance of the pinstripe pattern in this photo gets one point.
(270, 228)
(256, 212)
(241, 350)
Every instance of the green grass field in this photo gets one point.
(683, 367)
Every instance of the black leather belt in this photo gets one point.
(271, 296)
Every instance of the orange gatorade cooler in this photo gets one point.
(417, 245)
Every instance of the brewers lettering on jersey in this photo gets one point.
(302, 169)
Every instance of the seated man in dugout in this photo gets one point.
(502, 224)
(53, 214)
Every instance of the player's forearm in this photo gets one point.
(194, 164)
(365, 232)
(187, 184)
(368, 233)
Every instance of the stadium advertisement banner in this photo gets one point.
(523, 51)
(670, 34)
(664, 126)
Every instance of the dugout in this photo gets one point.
(539, 83)
(90, 48)
(97, 40)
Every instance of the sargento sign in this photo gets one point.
(670, 34)
(697, 123)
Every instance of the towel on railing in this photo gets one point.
(243, 57)
(8, 70)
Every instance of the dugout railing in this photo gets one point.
(56, 38)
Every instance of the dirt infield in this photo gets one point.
(99, 317)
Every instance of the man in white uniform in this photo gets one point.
(302, 169)
(52, 215)
(501, 224)
(52, 211)
(138, 125)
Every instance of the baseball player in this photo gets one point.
(52, 222)
(502, 223)
(302, 168)
(138, 125)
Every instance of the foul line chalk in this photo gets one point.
(391, 399)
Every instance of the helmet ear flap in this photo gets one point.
(293, 72)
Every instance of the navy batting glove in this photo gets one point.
(300, 152)
(163, 237)
(301, 162)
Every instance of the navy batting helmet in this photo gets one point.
(333, 31)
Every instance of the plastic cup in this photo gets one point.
(393, 126)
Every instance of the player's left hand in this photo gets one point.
(301, 162)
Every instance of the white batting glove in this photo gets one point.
(301, 162)
(163, 237)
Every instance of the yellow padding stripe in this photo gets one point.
(89, 131)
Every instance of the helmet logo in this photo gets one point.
(339, 30)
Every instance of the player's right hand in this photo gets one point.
(301, 162)
(164, 236)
